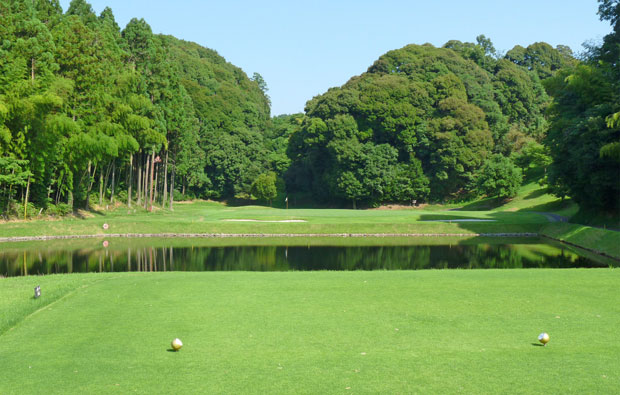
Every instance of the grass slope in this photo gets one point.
(598, 240)
(319, 332)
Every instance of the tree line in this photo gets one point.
(92, 115)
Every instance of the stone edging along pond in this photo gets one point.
(260, 235)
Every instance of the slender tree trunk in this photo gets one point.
(146, 183)
(113, 171)
(151, 190)
(26, 198)
(101, 186)
(165, 196)
(139, 185)
(106, 180)
(171, 192)
(171, 260)
(163, 256)
(129, 259)
(156, 184)
(32, 69)
(60, 181)
(130, 180)
(91, 181)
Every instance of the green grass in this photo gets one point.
(599, 240)
(318, 332)
(211, 217)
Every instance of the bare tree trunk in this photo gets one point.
(113, 173)
(129, 175)
(91, 181)
(146, 183)
(151, 190)
(32, 69)
(26, 198)
(156, 184)
(129, 259)
(172, 191)
(57, 200)
(171, 260)
(165, 196)
(101, 186)
(139, 185)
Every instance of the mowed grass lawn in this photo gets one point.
(213, 217)
(313, 332)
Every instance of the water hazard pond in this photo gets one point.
(121, 255)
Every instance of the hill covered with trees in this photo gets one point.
(93, 114)
(420, 124)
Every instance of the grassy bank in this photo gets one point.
(602, 241)
(319, 332)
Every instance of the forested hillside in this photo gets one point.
(90, 113)
(422, 123)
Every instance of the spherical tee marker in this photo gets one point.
(543, 338)
(177, 344)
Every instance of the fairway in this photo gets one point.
(313, 332)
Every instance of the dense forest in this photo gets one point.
(92, 115)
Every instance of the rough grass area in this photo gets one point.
(598, 240)
(319, 332)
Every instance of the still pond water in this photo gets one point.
(192, 255)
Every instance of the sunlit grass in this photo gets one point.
(320, 332)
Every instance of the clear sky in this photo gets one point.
(303, 48)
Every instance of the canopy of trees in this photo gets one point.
(92, 112)
(420, 124)
(584, 137)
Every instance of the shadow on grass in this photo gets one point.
(551, 207)
(537, 345)
(492, 222)
(535, 194)
(171, 350)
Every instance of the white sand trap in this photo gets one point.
(258, 220)
(459, 220)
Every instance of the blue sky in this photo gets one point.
(303, 48)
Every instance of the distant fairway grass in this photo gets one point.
(213, 217)
(313, 332)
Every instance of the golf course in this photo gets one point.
(309, 197)
(320, 332)
(400, 331)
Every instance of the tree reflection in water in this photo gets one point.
(283, 258)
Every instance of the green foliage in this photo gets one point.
(81, 100)
(499, 177)
(264, 187)
(583, 137)
(542, 58)
(418, 125)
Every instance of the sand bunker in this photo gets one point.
(459, 220)
(258, 220)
